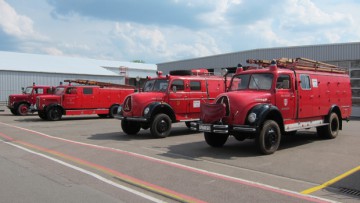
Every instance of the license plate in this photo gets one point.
(204, 127)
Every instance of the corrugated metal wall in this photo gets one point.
(331, 52)
(12, 81)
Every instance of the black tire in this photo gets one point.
(268, 140)
(180, 72)
(332, 130)
(161, 126)
(215, 139)
(113, 111)
(54, 114)
(187, 123)
(42, 115)
(22, 109)
(14, 112)
(103, 115)
(130, 127)
(291, 133)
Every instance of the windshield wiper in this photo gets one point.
(257, 85)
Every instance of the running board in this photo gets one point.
(304, 125)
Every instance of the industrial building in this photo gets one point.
(19, 70)
(345, 55)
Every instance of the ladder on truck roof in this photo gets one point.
(301, 64)
(101, 84)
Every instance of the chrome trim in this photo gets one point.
(303, 125)
(244, 129)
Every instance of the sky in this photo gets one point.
(157, 31)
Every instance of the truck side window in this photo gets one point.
(71, 90)
(179, 84)
(87, 90)
(195, 85)
(40, 90)
(305, 82)
(283, 82)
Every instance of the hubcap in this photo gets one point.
(23, 109)
(162, 126)
(270, 138)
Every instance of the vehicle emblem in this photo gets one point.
(285, 102)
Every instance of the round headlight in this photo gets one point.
(252, 117)
(146, 110)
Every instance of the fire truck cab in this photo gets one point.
(276, 98)
(19, 104)
(168, 99)
(89, 97)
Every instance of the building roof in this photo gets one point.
(322, 52)
(12, 61)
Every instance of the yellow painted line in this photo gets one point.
(330, 182)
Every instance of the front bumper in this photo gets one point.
(222, 129)
(33, 109)
(139, 119)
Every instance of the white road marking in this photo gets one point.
(143, 195)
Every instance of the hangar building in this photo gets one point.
(19, 70)
(344, 55)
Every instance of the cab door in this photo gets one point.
(285, 97)
(308, 96)
(178, 96)
(71, 98)
(196, 96)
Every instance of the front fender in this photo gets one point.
(159, 107)
(264, 112)
(54, 105)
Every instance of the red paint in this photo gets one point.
(82, 100)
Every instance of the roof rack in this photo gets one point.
(101, 84)
(301, 64)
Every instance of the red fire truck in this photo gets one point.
(276, 98)
(90, 97)
(19, 104)
(167, 99)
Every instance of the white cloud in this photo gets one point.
(53, 51)
(184, 29)
(163, 44)
(16, 25)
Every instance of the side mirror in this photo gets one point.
(174, 88)
(22, 89)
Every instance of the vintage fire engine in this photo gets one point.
(19, 104)
(276, 98)
(90, 97)
(167, 99)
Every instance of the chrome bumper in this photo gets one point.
(140, 119)
(222, 129)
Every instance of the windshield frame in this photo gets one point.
(156, 85)
(252, 81)
(28, 90)
(59, 90)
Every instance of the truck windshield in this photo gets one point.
(259, 81)
(156, 85)
(59, 90)
(28, 90)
